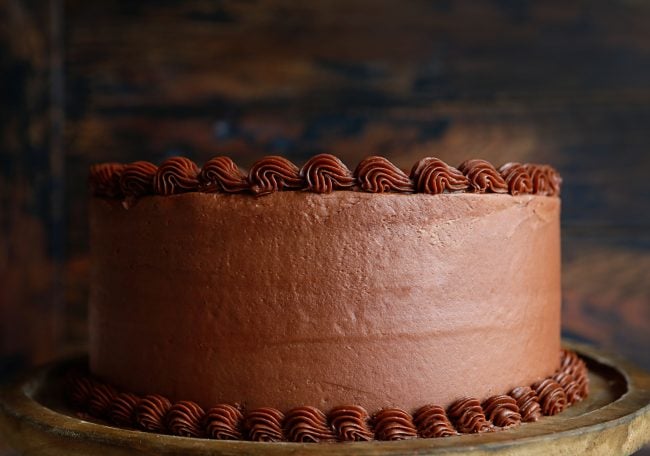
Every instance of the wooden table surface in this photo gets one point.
(566, 83)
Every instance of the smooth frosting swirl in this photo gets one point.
(155, 413)
(264, 425)
(122, 409)
(378, 175)
(324, 173)
(100, 399)
(273, 174)
(221, 174)
(176, 175)
(545, 179)
(307, 424)
(433, 176)
(431, 421)
(517, 178)
(150, 413)
(137, 180)
(184, 418)
(552, 398)
(570, 387)
(527, 402)
(223, 422)
(350, 423)
(468, 417)
(483, 177)
(104, 179)
(394, 424)
(502, 411)
(80, 388)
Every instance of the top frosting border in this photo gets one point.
(322, 173)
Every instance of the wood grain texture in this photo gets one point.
(613, 420)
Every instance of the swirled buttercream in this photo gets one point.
(378, 175)
(432, 175)
(324, 173)
(122, 409)
(273, 174)
(223, 422)
(221, 174)
(176, 175)
(394, 424)
(150, 413)
(431, 421)
(344, 423)
(483, 177)
(574, 366)
(350, 423)
(264, 425)
(545, 179)
(137, 180)
(101, 398)
(517, 178)
(184, 418)
(307, 424)
(104, 179)
(551, 396)
(528, 403)
(468, 416)
(570, 387)
(502, 411)
(80, 388)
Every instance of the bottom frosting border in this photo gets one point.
(91, 397)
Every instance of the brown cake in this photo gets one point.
(317, 304)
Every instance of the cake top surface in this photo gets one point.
(322, 173)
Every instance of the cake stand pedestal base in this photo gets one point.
(613, 420)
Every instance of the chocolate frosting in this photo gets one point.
(468, 417)
(528, 403)
(184, 418)
(502, 411)
(264, 425)
(517, 178)
(350, 423)
(122, 409)
(545, 179)
(273, 174)
(574, 366)
(307, 424)
(221, 174)
(378, 175)
(483, 177)
(150, 413)
(324, 173)
(137, 180)
(176, 175)
(100, 399)
(552, 398)
(570, 387)
(310, 424)
(223, 422)
(394, 424)
(431, 421)
(433, 176)
(104, 179)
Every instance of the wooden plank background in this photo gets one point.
(548, 81)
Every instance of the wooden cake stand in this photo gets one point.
(614, 419)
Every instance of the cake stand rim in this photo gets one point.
(21, 413)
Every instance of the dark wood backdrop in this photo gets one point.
(564, 82)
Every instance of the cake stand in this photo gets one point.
(613, 420)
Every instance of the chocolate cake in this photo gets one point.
(320, 304)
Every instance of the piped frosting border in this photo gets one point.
(155, 413)
(322, 173)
